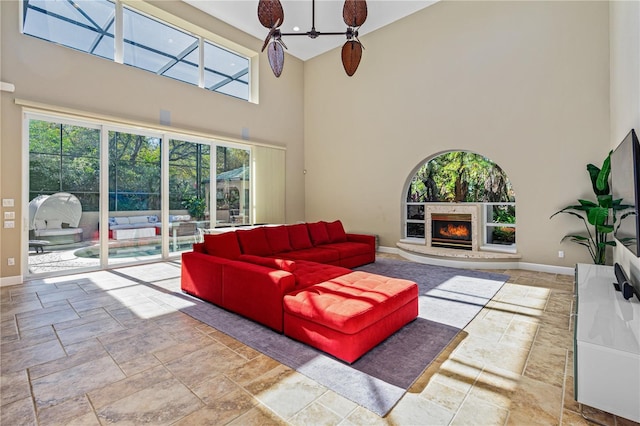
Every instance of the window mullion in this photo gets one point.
(201, 62)
(104, 197)
(164, 195)
(60, 162)
(118, 55)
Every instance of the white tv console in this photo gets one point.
(606, 344)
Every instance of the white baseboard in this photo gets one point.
(563, 270)
(551, 269)
(7, 281)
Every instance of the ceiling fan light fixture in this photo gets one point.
(271, 16)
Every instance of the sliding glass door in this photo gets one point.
(63, 196)
(189, 205)
(101, 195)
(233, 182)
(135, 175)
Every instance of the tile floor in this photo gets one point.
(112, 347)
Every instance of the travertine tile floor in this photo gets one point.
(112, 347)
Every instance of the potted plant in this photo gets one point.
(196, 207)
(598, 217)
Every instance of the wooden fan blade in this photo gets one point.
(270, 12)
(273, 33)
(354, 12)
(266, 41)
(351, 55)
(275, 53)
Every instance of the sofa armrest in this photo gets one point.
(363, 238)
(256, 292)
(202, 276)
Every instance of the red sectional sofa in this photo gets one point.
(297, 279)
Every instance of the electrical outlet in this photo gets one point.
(7, 202)
(560, 254)
(11, 261)
(9, 215)
(9, 224)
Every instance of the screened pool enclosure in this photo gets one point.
(147, 42)
(101, 196)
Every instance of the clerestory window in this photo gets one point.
(148, 43)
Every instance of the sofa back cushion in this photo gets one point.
(222, 245)
(318, 233)
(299, 236)
(336, 232)
(278, 238)
(254, 241)
(138, 219)
(270, 262)
(54, 224)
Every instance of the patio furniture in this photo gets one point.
(38, 245)
(55, 218)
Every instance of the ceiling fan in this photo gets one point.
(271, 16)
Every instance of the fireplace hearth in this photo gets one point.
(451, 231)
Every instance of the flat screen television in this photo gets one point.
(625, 185)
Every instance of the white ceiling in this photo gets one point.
(242, 14)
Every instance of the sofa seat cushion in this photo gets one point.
(132, 226)
(132, 222)
(270, 262)
(56, 232)
(309, 273)
(314, 254)
(351, 302)
(348, 249)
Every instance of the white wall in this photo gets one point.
(624, 17)
(523, 83)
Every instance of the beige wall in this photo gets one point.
(523, 83)
(51, 74)
(625, 90)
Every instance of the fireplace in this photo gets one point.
(451, 230)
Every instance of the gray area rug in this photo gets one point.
(449, 299)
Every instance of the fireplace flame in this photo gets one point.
(455, 231)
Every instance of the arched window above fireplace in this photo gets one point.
(450, 180)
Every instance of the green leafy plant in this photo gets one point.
(598, 217)
(504, 214)
(195, 206)
(504, 235)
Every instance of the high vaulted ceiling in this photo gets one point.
(242, 14)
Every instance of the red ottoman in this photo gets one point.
(349, 315)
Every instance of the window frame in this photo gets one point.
(485, 222)
(203, 37)
(105, 126)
